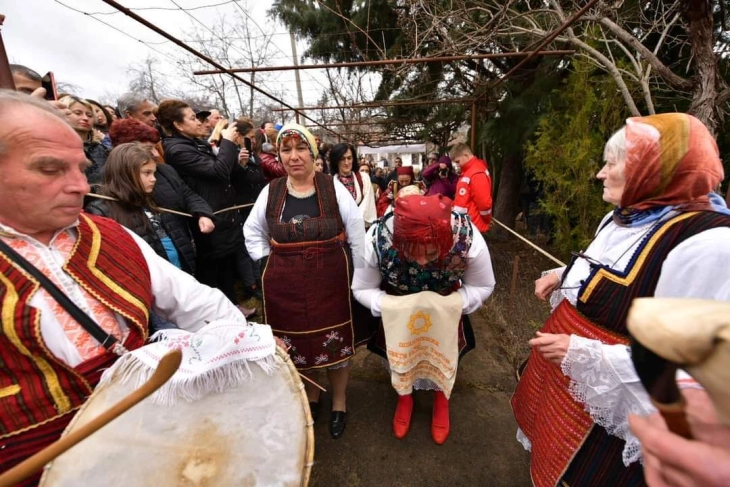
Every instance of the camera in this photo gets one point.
(443, 173)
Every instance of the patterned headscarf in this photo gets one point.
(671, 160)
(421, 220)
(296, 130)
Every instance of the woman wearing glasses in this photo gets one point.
(668, 236)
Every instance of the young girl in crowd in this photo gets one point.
(129, 177)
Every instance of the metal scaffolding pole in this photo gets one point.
(386, 62)
(221, 68)
(381, 104)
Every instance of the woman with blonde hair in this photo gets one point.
(82, 119)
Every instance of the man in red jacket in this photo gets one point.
(474, 187)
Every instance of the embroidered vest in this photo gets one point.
(326, 226)
(607, 294)
(402, 277)
(36, 387)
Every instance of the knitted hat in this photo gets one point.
(296, 130)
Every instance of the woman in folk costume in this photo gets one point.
(406, 177)
(668, 237)
(312, 232)
(422, 252)
(345, 169)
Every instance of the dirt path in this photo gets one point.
(480, 451)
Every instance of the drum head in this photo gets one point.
(257, 434)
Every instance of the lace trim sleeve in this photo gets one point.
(604, 380)
(557, 296)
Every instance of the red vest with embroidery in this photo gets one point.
(36, 387)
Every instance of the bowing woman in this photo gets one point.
(310, 230)
(424, 246)
(667, 237)
(345, 170)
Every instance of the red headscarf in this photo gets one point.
(422, 220)
(405, 171)
(671, 159)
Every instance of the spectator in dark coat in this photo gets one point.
(210, 177)
(441, 178)
(170, 192)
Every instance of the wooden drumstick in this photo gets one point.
(165, 370)
(303, 377)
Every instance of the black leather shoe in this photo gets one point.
(338, 421)
(314, 410)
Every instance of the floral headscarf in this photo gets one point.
(296, 130)
(671, 160)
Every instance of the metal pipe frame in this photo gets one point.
(221, 68)
(381, 104)
(384, 62)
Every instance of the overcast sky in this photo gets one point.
(46, 36)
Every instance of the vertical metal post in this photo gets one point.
(6, 77)
(296, 73)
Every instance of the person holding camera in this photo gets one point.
(209, 175)
(441, 178)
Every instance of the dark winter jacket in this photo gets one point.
(248, 182)
(172, 193)
(97, 154)
(209, 176)
(175, 226)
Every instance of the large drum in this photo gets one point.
(258, 433)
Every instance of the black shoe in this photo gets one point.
(314, 410)
(338, 421)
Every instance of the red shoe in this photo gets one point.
(440, 420)
(402, 418)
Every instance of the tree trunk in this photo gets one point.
(704, 98)
(507, 202)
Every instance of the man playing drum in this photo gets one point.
(111, 279)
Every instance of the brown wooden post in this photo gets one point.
(513, 284)
(473, 127)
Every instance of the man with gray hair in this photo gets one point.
(133, 105)
(93, 286)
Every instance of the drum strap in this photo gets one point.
(107, 340)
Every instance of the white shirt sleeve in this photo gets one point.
(367, 205)
(256, 229)
(179, 298)
(366, 279)
(352, 220)
(478, 280)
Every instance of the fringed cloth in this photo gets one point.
(215, 358)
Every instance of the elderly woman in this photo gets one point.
(308, 225)
(667, 237)
(82, 120)
(345, 170)
(423, 246)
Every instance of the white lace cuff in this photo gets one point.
(524, 440)
(556, 296)
(604, 380)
